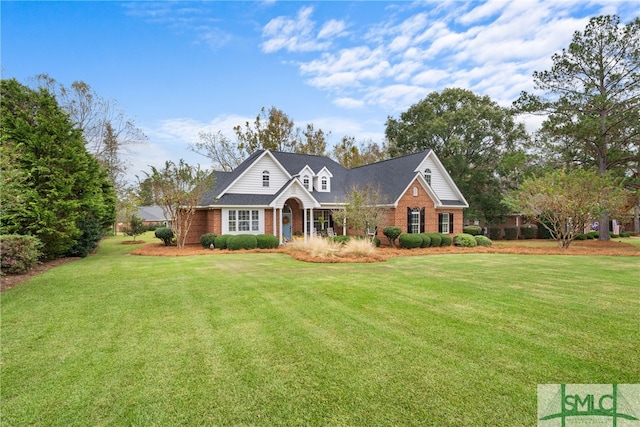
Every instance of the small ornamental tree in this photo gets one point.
(362, 211)
(135, 227)
(564, 202)
(178, 189)
(392, 233)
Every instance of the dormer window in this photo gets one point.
(323, 183)
(265, 178)
(427, 175)
(305, 182)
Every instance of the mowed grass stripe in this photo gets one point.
(261, 339)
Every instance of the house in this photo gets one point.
(153, 215)
(287, 194)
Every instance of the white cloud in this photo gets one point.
(332, 28)
(349, 103)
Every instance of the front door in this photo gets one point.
(286, 223)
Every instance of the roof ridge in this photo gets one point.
(425, 152)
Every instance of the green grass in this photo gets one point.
(262, 339)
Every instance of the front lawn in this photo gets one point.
(262, 339)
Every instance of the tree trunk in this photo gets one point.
(603, 228)
(636, 219)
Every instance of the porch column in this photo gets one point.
(311, 222)
(344, 226)
(304, 223)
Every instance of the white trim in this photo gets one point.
(445, 175)
(238, 178)
(427, 188)
(286, 194)
(225, 220)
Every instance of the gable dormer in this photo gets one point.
(322, 182)
(307, 178)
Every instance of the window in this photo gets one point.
(427, 175)
(265, 178)
(244, 220)
(415, 191)
(415, 221)
(445, 223)
(323, 183)
(305, 182)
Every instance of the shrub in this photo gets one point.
(625, 234)
(446, 240)
(165, 234)
(511, 233)
(376, 242)
(339, 239)
(220, 242)
(483, 241)
(242, 241)
(322, 248)
(474, 230)
(594, 234)
(426, 240)
(208, 239)
(580, 237)
(529, 231)
(392, 233)
(495, 233)
(19, 253)
(613, 235)
(436, 239)
(267, 241)
(466, 240)
(92, 232)
(410, 240)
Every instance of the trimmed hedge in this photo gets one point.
(267, 241)
(410, 240)
(221, 241)
(242, 241)
(483, 241)
(446, 240)
(19, 253)
(581, 236)
(426, 240)
(474, 230)
(436, 239)
(208, 239)
(495, 233)
(466, 240)
(511, 233)
(529, 231)
(165, 234)
(339, 239)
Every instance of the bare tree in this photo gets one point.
(224, 154)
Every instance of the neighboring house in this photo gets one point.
(153, 215)
(287, 194)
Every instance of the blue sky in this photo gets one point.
(179, 68)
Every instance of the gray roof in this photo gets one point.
(151, 213)
(391, 176)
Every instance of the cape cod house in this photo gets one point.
(287, 194)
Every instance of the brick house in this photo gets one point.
(287, 194)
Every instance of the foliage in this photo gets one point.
(207, 240)
(220, 242)
(426, 240)
(446, 240)
(178, 189)
(436, 239)
(495, 233)
(362, 209)
(510, 233)
(358, 247)
(529, 231)
(590, 100)
(339, 239)
(318, 247)
(267, 241)
(135, 227)
(474, 230)
(91, 233)
(50, 183)
(477, 140)
(465, 240)
(392, 233)
(483, 240)
(242, 241)
(165, 234)
(350, 156)
(19, 253)
(564, 202)
(224, 155)
(410, 240)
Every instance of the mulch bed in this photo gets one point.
(586, 247)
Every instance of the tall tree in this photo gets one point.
(472, 135)
(55, 190)
(591, 96)
(224, 154)
(312, 141)
(271, 130)
(350, 155)
(178, 189)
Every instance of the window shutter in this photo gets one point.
(408, 220)
(451, 223)
(422, 220)
(439, 223)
